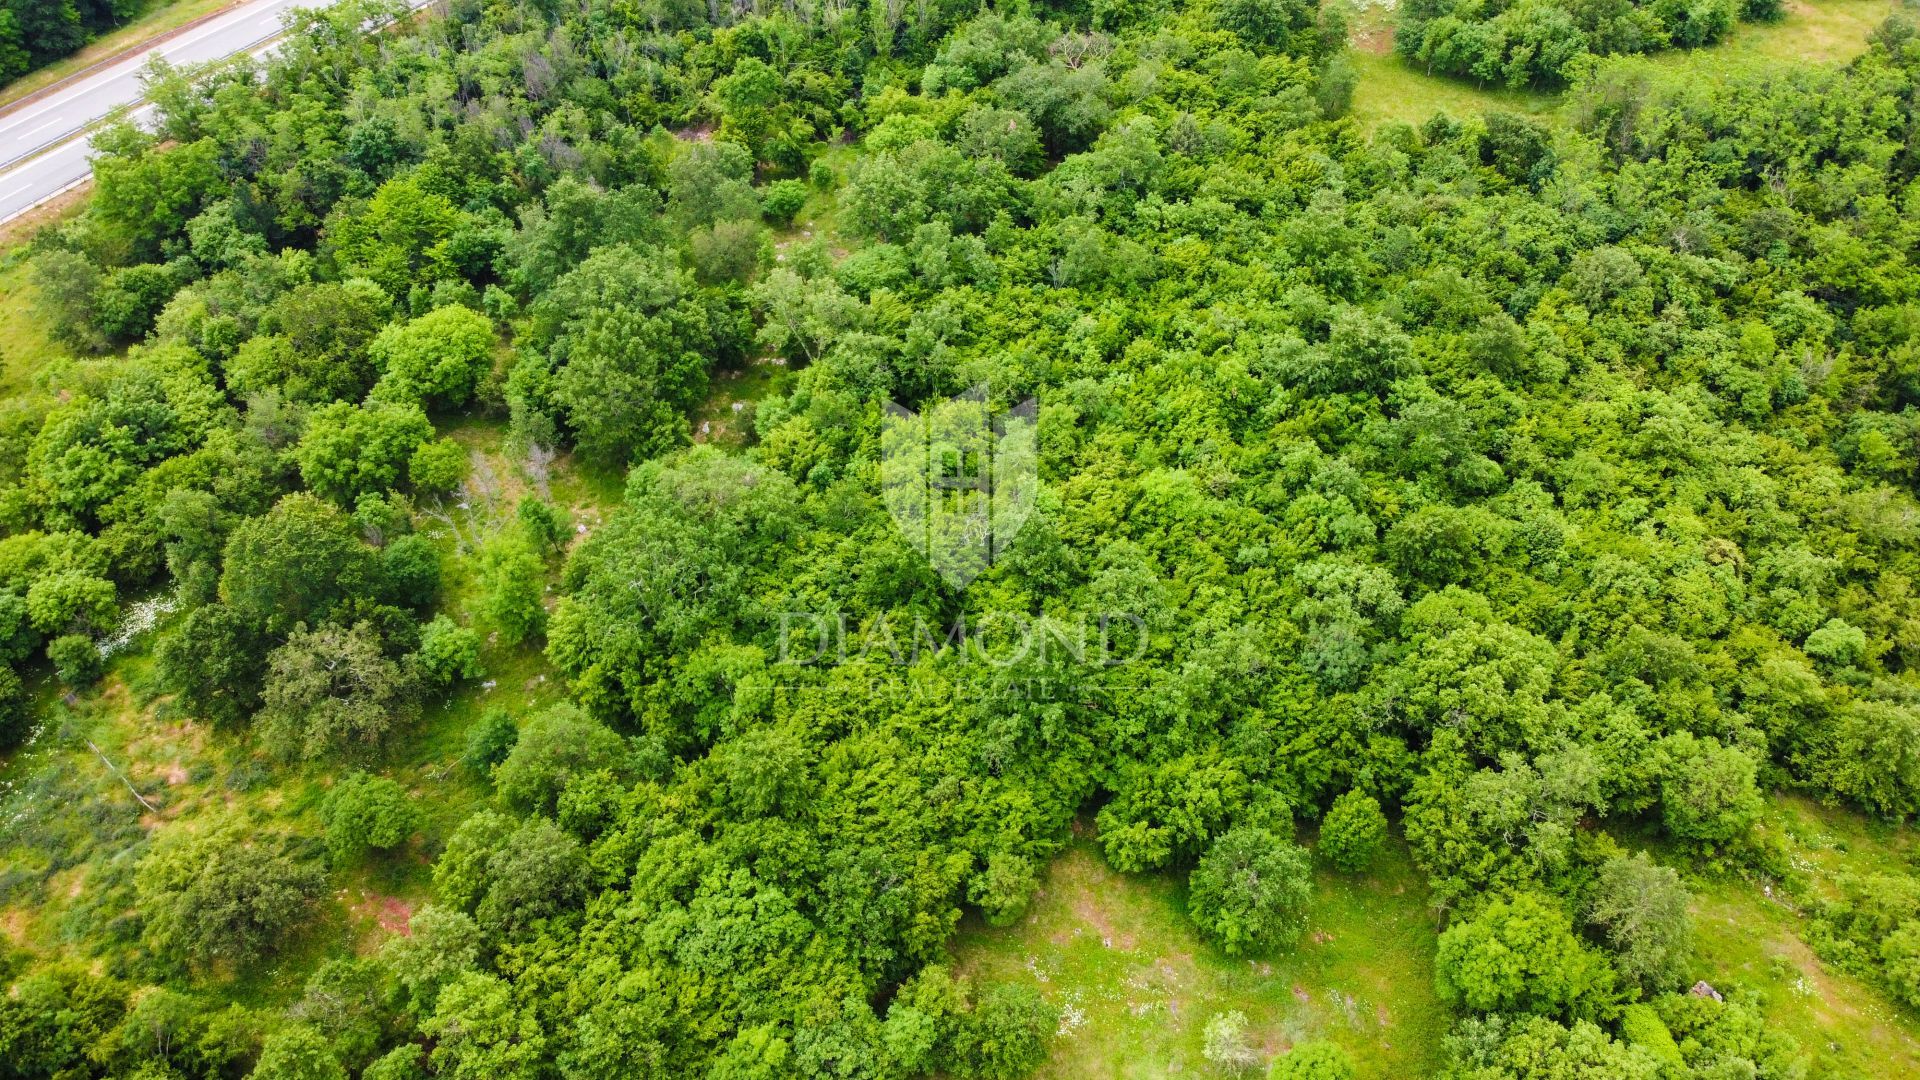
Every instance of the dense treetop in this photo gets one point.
(1543, 488)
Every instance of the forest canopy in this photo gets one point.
(1543, 495)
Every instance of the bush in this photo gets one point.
(448, 652)
(1226, 1045)
(76, 659)
(439, 466)
(363, 812)
(782, 200)
(1312, 1061)
(1352, 832)
(489, 741)
(544, 524)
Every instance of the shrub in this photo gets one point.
(489, 741)
(1312, 1061)
(1352, 832)
(363, 812)
(782, 200)
(448, 652)
(76, 659)
(438, 466)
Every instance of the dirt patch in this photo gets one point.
(389, 913)
(1087, 908)
(1375, 40)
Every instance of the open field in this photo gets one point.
(1813, 31)
(1136, 986)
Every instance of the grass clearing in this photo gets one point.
(1811, 32)
(1751, 936)
(1137, 986)
(725, 418)
(1846, 1028)
(25, 347)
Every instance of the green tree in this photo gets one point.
(489, 741)
(1005, 1036)
(1520, 954)
(297, 1053)
(1226, 1045)
(214, 896)
(1640, 911)
(438, 947)
(1708, 792)
(479, 1033)
(214, 662)
(554, 748)
(438, 467)
(293, 564)
(628, 336)
(353, 450)
(367, 812)
(76, 659)
(1250, 891)
(1004, 887)
(438, 359)
(513, 581)
(448, 652)
(332, 690)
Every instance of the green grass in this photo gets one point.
(1137, 986)
(1390, 90)
(25, 347)
(725, 418)
(1812, 31)
(1750, 936)
(1846, 1028)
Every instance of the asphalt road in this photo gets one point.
(40, 155)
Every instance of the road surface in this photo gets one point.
(42, 150)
